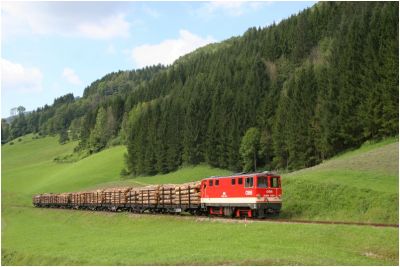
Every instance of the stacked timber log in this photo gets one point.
(41, 198)
(132, 197)
(36, 199)
(53, 198)
(46, 198)
(63, 198)
(189, 192)
(86, 197)
(167, 194)
(117, 195)
(91, 197)
(149, 195)
(76, 198)
(82, 197)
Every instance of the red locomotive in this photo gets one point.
(241, 195)
(251, 195)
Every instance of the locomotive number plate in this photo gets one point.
(248, 192)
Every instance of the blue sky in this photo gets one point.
(49, 49)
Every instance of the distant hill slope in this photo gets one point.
(28, 168)
(361, 185)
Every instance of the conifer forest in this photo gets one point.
(287, 96)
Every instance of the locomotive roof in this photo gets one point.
(244, 175)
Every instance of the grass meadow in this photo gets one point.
(32, 236)
(361, 185)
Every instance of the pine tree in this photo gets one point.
(63, 137)
(98, 136)
(249, 148)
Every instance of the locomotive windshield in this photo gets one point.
(274, 182)
(262, 182)
(248, 182)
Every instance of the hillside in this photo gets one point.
(32, 236)
(361, 185)
(318, 83)
(28, 168)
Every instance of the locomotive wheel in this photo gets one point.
(198, 212)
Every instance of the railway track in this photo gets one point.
(246, 220)
(328, 222)
(251, 220)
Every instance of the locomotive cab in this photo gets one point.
(269, 186)
(268, 193)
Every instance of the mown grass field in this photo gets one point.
(32, 236)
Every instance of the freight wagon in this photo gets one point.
(240, 195)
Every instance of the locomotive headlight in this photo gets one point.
(258, 196)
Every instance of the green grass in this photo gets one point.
(361, 185)
(28, 168)
(79, 237)
(32, 236)
(368, 146)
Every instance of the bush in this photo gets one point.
(19, 139)
(63, 137)
(116, 141)
(66, 159)
(124, 172)
(11, 143)
(70, 158)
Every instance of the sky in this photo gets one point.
(49, 49)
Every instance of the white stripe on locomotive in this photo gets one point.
(240, 200)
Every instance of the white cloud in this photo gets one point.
(70, 75)
(98, 20)
(21, 79)
(168, 50)
(109, 27)
(231, 8)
